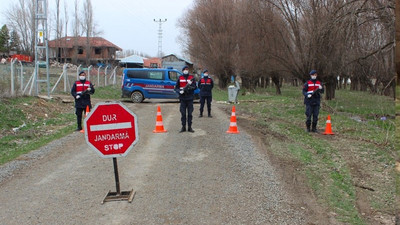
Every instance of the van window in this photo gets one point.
(156, 75)
(145, 74)
(173, 75)
(137, 74)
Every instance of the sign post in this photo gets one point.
(111, 131)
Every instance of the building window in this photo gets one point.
(80, 50)
(97, 51)
(153, 65)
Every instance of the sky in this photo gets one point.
(130, 24)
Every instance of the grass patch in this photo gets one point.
(26, 127)
(37, 122)
(108, 92)
(10, 114)
(365, 141)
(12, 147)
(362, 104)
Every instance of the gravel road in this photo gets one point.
(206, 177)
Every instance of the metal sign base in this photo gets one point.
(123, 196)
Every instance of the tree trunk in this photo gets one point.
(257, 83)
(267, 81)
(364, 83)
(354, 84)
(223, 81)
(275, 80)
(246, 83)
(262, 85)
(330, 88)
(388, 87)
(295, 82)
(397, 48)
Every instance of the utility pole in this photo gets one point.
(160, 35)
(41, 46)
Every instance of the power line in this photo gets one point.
(160, 31)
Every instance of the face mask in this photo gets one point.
(185, 72)
(313, 77)
(206, 74)
(82, 77)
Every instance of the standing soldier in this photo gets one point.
(312, 99)
(205, 85)
(81, 91)
(185, 86)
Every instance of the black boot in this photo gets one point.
(79, 127)
(308, 127)
(190, 130)
(79, 123)
(209, 115)
(314, 128)
(201, 115)
(183, 129)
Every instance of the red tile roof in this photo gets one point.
(70, 42)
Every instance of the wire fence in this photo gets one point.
(17, 78)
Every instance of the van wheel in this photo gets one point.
(137, 97)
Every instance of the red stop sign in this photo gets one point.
(111, 129)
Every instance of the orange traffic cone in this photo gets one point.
(328, 129)
(159, 122)
(233, 125)
(86, 113)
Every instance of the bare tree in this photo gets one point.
(371, 44)
(58, 30)
(66, 28)
(208, 36)
(285, 38)
(129, 52)
(397, 46)
(21, 19)
(87, 26)
(335, 38)
(76, 29)
(259, 45)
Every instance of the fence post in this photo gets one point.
(21, 75)
(105, 76)
(12, 76)
(98, 76)
(65, 72)
(88, 69)
(114, 75)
